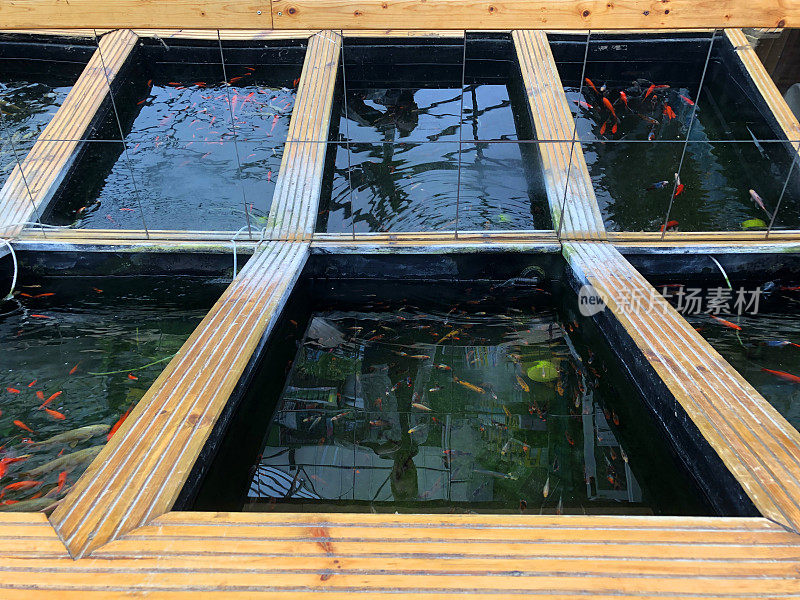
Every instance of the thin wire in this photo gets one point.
(574, 133)
(24, 178)
(233, 129)
(460, 129)
(121, 134)
(347, 143)
(688, 133)
(783, 191)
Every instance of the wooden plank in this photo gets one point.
(566, 177)
(295, 203)
(531, 14)
(140, 473)
(32, 184)
(67, 234)
(228, 555)
(131, 14)
(755, 442)
(241, 35)
(765, 85)
(691, 237)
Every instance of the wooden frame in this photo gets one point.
(117, 520)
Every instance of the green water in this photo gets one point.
(414, 405)
(199, 154)
(89, 341)
(30, 94)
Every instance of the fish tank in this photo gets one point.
(470, 395)
(203, 131)
(672, 144)
(79, 352)
(36, 74)
(432, 135)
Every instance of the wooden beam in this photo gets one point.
(756, 443)
(569, 187)
(691, 237)
(138, 475)
(238, 556)
(295, 203)
(532, 14)
(32, 183)
(131, 14)
(769, 91)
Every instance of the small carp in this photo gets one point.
(68, 461)
(546, 488)
(419, 406)
(74, 436)
(34, 505)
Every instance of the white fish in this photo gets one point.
(546, 488)
(757, 199)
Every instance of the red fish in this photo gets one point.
(669, 112)
(75, 368)
(670, 225)
(623, 96)
(687, 100)
(649, 90)
(40, 395)
(609, 106)
(118, 424)
(132, 377)
(591, 85)
(12, 390)
(22, 425)
(295, 82)
(62, 479)
(726, 323)
(662, 87)
(783, 375)
(55, 414)
(583, 104)
(50, 399)
(19, 485)
(235, 79)
(32, 383)
(678, 190)
(10, 460)
(570, 441)
(603, 127)
(40, 316)
(44, 295)
(614, 128)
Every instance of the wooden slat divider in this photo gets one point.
(244, 555)
(754, 440)
(33, 182)
(692, 237)
(553, 121)
(295, 202)
(138, 475)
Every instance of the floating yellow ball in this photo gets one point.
(753, 224)
(542, 371)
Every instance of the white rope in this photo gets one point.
(14, 279)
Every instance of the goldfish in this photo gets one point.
(687, 100)
(649, 90)
(40, 316)
(521, 382)
(726, 323)
(416, 428)
(11, 390)
(670, 114)
(583, 104)
(44, 295)
(435, 388)
(62, 479)
(449, 335)
(19, 485)
(132, 377)
(50, 399)
(40, 395)
(624, 98)
(570, 441)
(670, 225)
(22, 425)
(469, 385)
(10, 461)
(32, 383)
(678, 190)
(74, 436)
(615, 418)
(75, 368)
(32, 505)
(420, 356)
(614, 128)
(444, 367)
(658, 185)
(779, 343)
(610, 107)
(546, 488)
(235, 79)
(55, 414)
(783, 375)
(757, 199)
(603, 127)
(340, 415)
(591, 85)
(419, 406)
(67, 462)
(378, 423)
